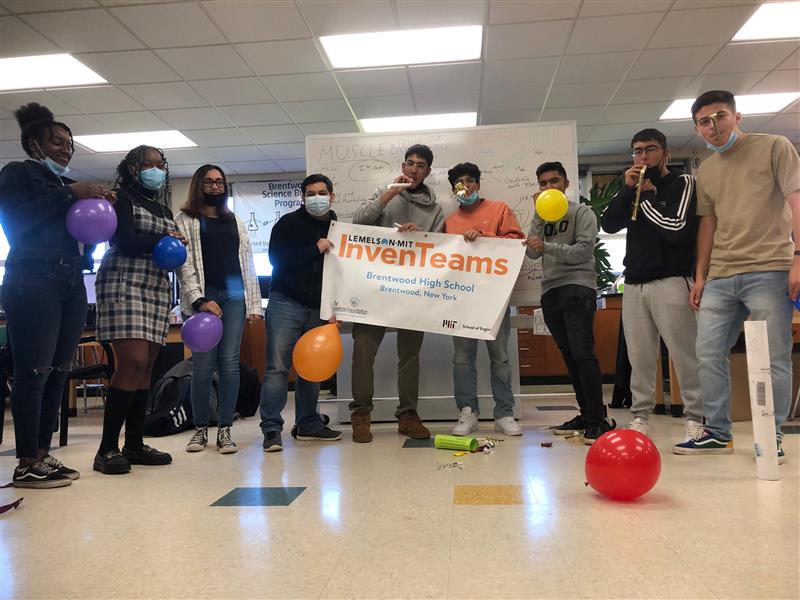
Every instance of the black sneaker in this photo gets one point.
(323, 435)
(597, 428)
(324, 418)
(39, 476)
(52, 462)
(111, 463)
(574, 425)
(272, 441)
(146, 456)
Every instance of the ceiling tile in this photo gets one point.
(348, 16)
(309, 86)
(248, 21)
(738, 83)
(690, 4)
(672, 62)
(596, 148)
(131, 121)
(205, 62)
(447, 80)
(165, 95)
(778, 81)
(95, 161)
(524, 97)
(633, 113)
(26, 6)
(511, 73)
(256, 114)
(710, 25)
(611, 34)
(603, 133)
(236, 153)
(9, 130)
(222, 92)
(290, 165)
(189, 156)
(318, 110)
(134, 66)
(580, 94)
(86, 125)
(526, 40)
(11, 101)
(584, 115)
(781, 122)
(11, 150)
(755, 122)
(508, 116)
(582, 133)
(793, 62)
(672, 129)
(84, 31)
(194, 118)
(382, 106)
(98, 99)
(418, 14)
(600, 8)
(274, 134)
(284, 151)
(182, 170)
(594, 68)
(329, 128)
(651, 90)
(19, 39)
(217, 137)
(434, 104)
(514, 11)
(257, 166)
(170, 25)
(374, 82)
(735, 58)
(270, 58)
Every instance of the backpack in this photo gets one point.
(169, 409)
(249, 391)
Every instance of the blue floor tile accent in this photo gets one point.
(791, 429)
(557, 407)
(13, 451)
(260, 496)
(411, 443)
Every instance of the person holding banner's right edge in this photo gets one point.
(748, 200)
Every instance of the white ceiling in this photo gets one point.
(247, 80)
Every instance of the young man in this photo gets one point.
(478, 217)
(569, 299)
(659, 261)
(297, 250)
(748, 200)
(414, 209)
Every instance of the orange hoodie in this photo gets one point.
(492, 218)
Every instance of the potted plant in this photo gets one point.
(599, 198)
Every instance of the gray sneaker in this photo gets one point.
(272, 441)
(199, 440)
(225, 443)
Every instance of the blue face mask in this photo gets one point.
(468, 200)
(153, 178)
(317, 205)
(726, 145)
(56, 168)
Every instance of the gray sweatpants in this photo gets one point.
(661, 307)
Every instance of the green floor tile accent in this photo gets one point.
(260, 496)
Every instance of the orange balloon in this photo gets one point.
(318, 353)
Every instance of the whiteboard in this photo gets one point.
(507, 156)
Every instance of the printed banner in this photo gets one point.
(423, 281)
(260, 204)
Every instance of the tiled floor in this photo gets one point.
(344, 520)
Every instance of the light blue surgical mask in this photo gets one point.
(317, 205)
(726, 145)
(56, 168)
(468, 200)
(152, 178)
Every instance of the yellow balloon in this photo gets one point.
(552, 205)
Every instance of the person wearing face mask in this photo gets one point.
(659, 264)
(134, 298)
(219, 277)
(297, 248)
(748, 259)
(43, 294)
(478, 217)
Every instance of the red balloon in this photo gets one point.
(623, 464)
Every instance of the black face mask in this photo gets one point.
(216, 200)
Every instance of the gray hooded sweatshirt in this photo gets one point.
(568, 257)
(419, 207)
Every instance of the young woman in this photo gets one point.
(218, 277)
(43, 294)
(134, 298)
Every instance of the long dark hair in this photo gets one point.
(134, 159)
(194, 199)
(36, 121)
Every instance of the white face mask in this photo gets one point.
(317, 205)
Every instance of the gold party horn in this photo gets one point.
(461, 190)
(713, 117)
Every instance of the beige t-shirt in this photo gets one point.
(745, 188)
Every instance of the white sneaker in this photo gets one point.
(508, 426)
(467, 422)
(642, 426)
(692, 430)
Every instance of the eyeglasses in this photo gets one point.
(645, 150)
(416, 165)
(466, 180)
(213, 182)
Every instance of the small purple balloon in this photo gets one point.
(91, 220)
(202, 332)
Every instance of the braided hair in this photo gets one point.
(133, 159)
(36, 121)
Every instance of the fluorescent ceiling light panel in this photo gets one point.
(753, 104)
(409, 47)
(45, 71)
(420, 122)
(778, 20)
(122, 142)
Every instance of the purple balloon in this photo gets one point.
(202, 332)
(91, 220)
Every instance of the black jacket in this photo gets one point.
(661, 242)
(294, 256)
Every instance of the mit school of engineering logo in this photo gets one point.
(447, 324)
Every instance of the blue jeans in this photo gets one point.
(45, 305)
(725, 304)
(287, 320)
(465, 375)
(224, 357)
